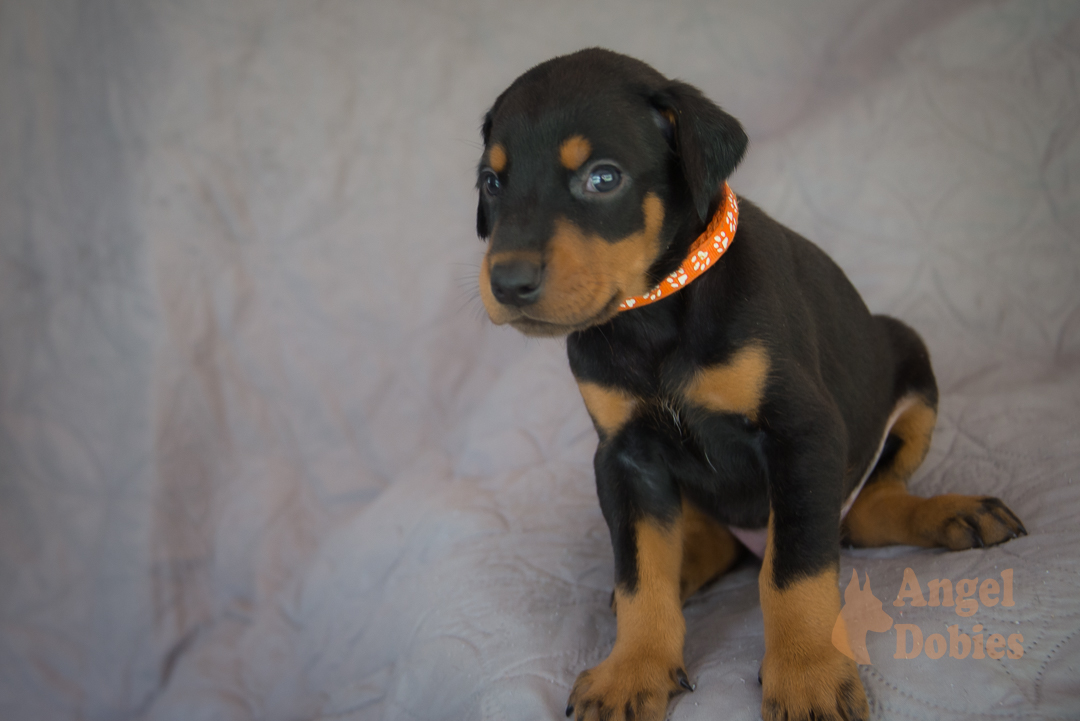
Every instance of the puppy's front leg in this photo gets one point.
(803, 674)
(643, 510)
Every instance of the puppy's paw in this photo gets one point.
(824, 690)
(627, 689)
(960, 522)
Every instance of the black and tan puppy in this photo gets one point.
(735, 377)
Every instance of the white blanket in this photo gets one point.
(263, 457)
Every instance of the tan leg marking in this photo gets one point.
(804, 675)
(886, 514)
(497, 158)
(709, 549)
(644, 668)
(734, 387)
(574, 151)
(609, 408)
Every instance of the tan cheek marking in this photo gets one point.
(803, 671)
(497, 158)
(631, 257)
(573, 289)
(574, 151)
(585, 272)
(735, 387)
(610, 408)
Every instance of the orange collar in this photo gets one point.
(704, 251)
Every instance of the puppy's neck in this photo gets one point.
(689, 259)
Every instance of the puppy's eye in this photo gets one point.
(603, 179)
(491, 184)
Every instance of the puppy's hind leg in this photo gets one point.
(886, 514)
(708, 550)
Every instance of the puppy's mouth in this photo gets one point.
(568, 303)
(532, 326)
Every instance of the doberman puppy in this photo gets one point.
(735, 377)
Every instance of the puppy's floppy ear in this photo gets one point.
(708, 141)
(482, 228)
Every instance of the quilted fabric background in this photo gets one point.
(263, 457)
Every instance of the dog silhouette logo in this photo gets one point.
(862, 612)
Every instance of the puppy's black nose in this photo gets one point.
(516, 282)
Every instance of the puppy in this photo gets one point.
(742, 392)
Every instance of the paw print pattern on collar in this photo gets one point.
(704, 251)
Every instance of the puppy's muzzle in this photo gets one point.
(516, 282)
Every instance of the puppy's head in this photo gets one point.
(596, 171)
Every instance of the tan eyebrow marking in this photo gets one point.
(497, 158)
(574, 151)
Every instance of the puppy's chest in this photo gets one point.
(620, 381)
